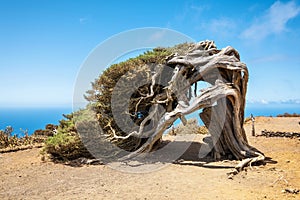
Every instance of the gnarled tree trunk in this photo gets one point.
(223, 102)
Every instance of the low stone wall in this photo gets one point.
(279, 134)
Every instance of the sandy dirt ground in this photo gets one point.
(25, 176)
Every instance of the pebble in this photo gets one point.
(291, 191)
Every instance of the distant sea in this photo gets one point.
(37, 118)
(272, 109)
(30, 118)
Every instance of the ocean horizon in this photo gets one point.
(32, 119)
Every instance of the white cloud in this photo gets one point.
(199, 8)
(257, 101)
(265, 102)
(270, 58)
(191, 12)
(222, 27)
(83, 20)
(157, 36)
(290, 101)
(273, 21)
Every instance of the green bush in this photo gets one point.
(67, 144)
(49, 130)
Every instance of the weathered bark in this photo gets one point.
(223, 103)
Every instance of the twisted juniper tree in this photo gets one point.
(137, 100)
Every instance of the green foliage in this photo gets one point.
(102, 88)
(49, 130)
(66, 143)
(65, 146)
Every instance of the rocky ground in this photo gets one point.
(25, 176)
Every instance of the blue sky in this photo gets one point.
(43, 43)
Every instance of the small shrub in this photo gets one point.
(10, 142)
(247, 119)
(50, 130)
(288, 115)
(66, 143)
(192, 127)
